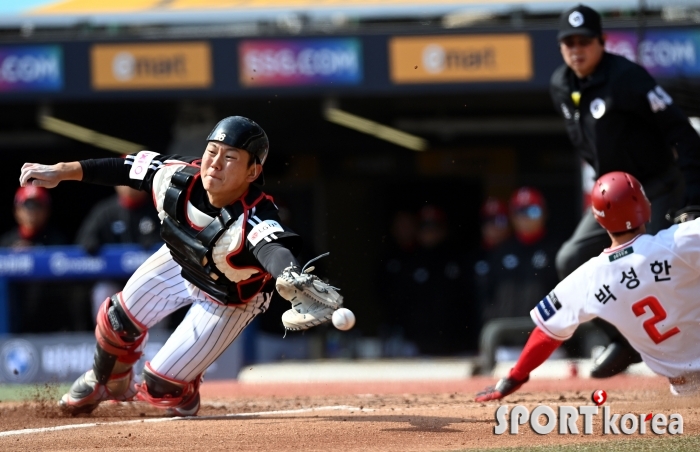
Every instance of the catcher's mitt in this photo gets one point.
(688, 213)
(313, 301)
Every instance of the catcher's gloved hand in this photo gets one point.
(504, 387)
(313, 301)
(688, 213)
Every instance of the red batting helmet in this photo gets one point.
(619, 203)
(528, 201)
(526, 197)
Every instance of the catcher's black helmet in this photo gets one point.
(243, 133)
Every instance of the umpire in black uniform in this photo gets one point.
(619, 119)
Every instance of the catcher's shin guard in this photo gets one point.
(178, 398)
(119, 345)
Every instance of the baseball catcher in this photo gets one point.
(224, 248)
(645, 285)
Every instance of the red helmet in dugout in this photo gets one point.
(619, 203)
(526, 197)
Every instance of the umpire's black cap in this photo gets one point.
(580, 20)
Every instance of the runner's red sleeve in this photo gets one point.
(538, 348)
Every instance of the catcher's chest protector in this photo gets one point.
(192, 248)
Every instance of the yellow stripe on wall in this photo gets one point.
(126, 6)
(95, 6)
(311, 4)
(308, 4)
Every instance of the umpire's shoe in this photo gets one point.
(86, 393)
(614, 359)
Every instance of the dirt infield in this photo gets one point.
(430, 416)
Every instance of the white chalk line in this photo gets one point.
(28, 431)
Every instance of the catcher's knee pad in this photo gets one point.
(164, 392)
(119, 340)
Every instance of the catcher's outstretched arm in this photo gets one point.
(539, 347)
(275, 257)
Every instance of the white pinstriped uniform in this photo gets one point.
(157, 289)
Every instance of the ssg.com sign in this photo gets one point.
(300, 62)
(35, 68)
(662, 53)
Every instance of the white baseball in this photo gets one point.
(343, 319)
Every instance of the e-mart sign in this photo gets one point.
(151, 66)
(466, 58)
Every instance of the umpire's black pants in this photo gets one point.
(589, 238)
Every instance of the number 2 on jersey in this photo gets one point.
(650, 324)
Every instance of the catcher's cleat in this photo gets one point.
(188, 407)
(313, 301)
(176, 397)
(86, 393)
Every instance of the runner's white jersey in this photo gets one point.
(649, 288)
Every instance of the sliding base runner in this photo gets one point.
(645, 285)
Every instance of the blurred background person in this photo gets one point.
(438, 311)
(29, 301)
(32, 210)
(523, 269)
(393, 279)
(404, 228)
(495, 230)
(128, 217)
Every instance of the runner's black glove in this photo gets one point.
(505, 386)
